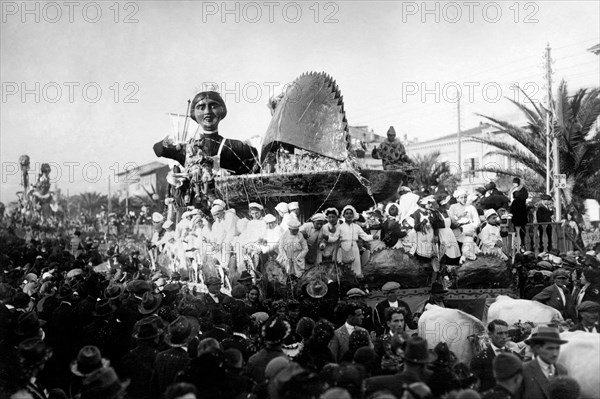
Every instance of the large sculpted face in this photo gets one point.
(209, 113)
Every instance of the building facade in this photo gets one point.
(474, 154)
(143, 180)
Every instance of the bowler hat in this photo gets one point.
(113, 291)
(21, 300)
(64, 292)
(438, 288)
(150, 302)
(33, 352)
(417, 351)
(545, 334)
(103, 308)
(171, 288)
(102, 383)
(506, 365)
(88, 360)
(181, 331)
(28, 324)
(147, 328)
(245, 276)
(138, 287)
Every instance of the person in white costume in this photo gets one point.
(490, 238)
(350, 232)
(293, 249)
(462, 214)
(284, 214)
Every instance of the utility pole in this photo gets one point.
(552, 153)
(458, 138)
(108, 209)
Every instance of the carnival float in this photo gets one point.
(307, 157)
(36, 203)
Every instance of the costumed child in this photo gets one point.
(490, 238)
(469, 247)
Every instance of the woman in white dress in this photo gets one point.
(462, 214)
(448, 245)
(350, 232)
(246, 244)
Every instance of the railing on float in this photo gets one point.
(537, 236)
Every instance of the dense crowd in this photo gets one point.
(141, 326)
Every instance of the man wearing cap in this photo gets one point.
(544, 214)
(557, 295)
(391, 291)
(416, 358)
(589, 312)
(208, 109)
(508, 373)
(314, 234)
(545, 344)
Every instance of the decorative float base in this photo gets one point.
(313, 190)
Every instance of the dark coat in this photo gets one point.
(138, 365)
(481, 366)
(236, 156)
(592, 293)
(166, 367)
(379, 316)
(340, 343)
(535, 383)
(543, 214)
(518, 208)
(550, 296)
(255, 368)
(495, 200)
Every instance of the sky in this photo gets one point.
(87, 86)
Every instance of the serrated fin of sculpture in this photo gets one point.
(310, 116)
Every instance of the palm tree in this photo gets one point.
(91, 203)
(575, 122)
(430, 172)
